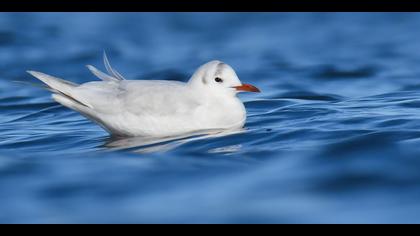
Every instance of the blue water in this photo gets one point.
(333, 138)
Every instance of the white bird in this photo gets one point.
(156, 108)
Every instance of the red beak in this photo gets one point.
(247, 88)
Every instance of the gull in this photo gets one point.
(156, 108)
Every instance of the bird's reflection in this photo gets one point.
(151, 144)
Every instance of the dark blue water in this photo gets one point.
(333, 138)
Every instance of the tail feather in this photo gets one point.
(61, 87)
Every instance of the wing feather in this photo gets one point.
(101, 75)
(110, 70)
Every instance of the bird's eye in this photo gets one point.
(218, 80)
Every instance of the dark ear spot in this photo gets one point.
(219, 68)
(204, 80)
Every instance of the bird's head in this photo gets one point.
(218, 77)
